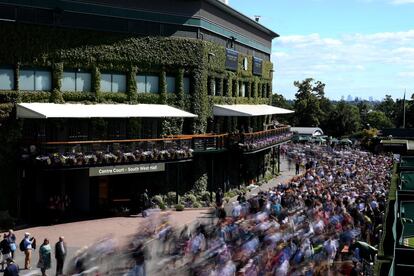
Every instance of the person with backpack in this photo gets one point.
(5, 250)
(27, 245)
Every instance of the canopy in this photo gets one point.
(51, 110)
(247, 110)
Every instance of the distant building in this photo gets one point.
(307, 131)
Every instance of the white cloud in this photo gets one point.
(406, 74)
(401, 2)
(351, 64)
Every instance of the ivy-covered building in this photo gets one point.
(100, 100)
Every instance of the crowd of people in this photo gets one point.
(325, 221)
(27, 246)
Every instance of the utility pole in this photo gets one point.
(404, 109)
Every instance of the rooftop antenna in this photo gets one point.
(257, 18)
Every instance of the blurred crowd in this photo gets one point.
(327, 220)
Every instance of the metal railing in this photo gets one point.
(81, 153)
(262, 139)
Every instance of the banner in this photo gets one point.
(127, 169)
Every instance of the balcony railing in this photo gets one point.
(207, 142)
(262, 139)
(110, 152)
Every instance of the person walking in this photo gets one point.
(28, 244)
(12, 268)
(60, 255)
(12, 240)
(297, 166)
(5, 250)
(45, 259)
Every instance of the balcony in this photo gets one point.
(207, 142)
(255, 141)
(109, 152)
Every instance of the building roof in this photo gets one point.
(51, 110)
(314, 131)
(242, 17)
(247, 110)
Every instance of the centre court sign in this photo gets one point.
(127, 169)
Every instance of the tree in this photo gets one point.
(307, 104)
(388, 107)
(344, 119)
(378, 120)
(279, 101)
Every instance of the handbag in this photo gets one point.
(13, 246)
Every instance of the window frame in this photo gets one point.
(146, 83)
(76, 72)
(13, 75)
(34, 71)
(112, 81)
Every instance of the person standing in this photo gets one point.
(5, 250)
(27, 248)
(45, 259)
(12, 269)
(12, 240)
(219, 198)
(60, 255)
(297, 166)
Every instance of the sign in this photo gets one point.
(232, 59)
(257, 66)
(127, 169)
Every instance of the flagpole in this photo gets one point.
(404, 109)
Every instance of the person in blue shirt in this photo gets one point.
(12, 269)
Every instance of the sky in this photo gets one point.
(362, 48)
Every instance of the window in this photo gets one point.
(113, 82)
(6, 79)
(76, 81)
(186, 81)
(170, 84)
(147, 84)
(242, 90)
(35, 80)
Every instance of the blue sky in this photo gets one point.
(361, 48)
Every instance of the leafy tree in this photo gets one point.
(388, 107)
(344, 119)
(279, 101)
(307, 104)
(378, 120)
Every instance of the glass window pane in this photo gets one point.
(141, 80)
(83, 82)
(106, 83)
(6, 79)
(43, 81)
(152, 84)
(170, 84)
(68, 81)
(243, 89)
(213, 87)
(118, 83)
(186, 85)
(26, 80)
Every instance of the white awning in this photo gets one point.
(248, 110)
(51, 110)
